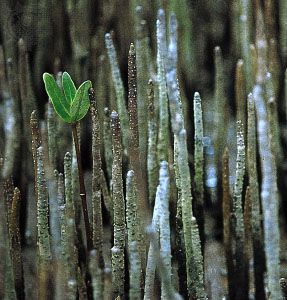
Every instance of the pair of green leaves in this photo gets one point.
(70, 104)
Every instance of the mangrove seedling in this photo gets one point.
(72, 105)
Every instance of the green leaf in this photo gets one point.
(71, 105)
(69, 87)
(81, 102)
(57, 97)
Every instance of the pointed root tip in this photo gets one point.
(240, 62)
(164, 164)
(68, 156)
(139, 9)
(21, 43)
(34, 114)
(130, 173)
(268, 75)
(107, 35)
(226, 151)
(182, 133)
(115, 250)
(160, 13)
(217, 50)
(106, 111)
(93, 253)
(40, 149)
(132, 49)
(16, 190)
(172, 19)
(114, 115)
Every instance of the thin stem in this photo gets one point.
(142, 47)
(269, 194)
(133, 236)
(194, 267)
(247, 219)
(283, 28)
(244, 32)
(119, 89)
(16, 242)
(151, 259)
(180, 252)
(70, 230)
(161, 267)
(44, 244)
(242, 292)
(134, 150)
(240, 92)
(118, 254)
(227, 232)
(165, 242)
(152, 165)
(7, 287)
(198, 162)
(257, 234)
(163, 134)
(97, 225)
(107, 140)
(96, 274)
(82, 189)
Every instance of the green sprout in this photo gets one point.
(72, 105)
